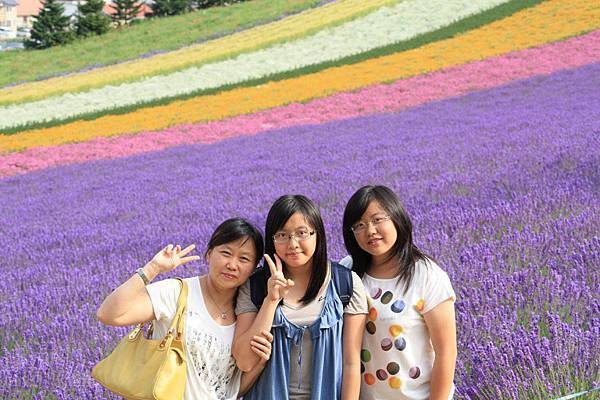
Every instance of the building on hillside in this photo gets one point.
(26, 10)
(8, 15)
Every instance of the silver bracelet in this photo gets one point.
(140, 272)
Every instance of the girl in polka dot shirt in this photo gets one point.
(409, 344)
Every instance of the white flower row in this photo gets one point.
(387, 25)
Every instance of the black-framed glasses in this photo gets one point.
(376, 220)
(283, 237)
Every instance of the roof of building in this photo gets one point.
(10, 3)
(28, 7)
(33, 7)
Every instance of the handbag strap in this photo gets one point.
(178, 320)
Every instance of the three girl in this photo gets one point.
(330, 339)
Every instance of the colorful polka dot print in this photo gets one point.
(395, 341)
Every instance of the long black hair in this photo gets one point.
(235, 229)
(404, 250)
(280, 212)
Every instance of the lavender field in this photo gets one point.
(503, 187)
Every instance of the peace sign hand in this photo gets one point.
(171, 257)
(277, 285)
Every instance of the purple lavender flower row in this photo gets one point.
(502, 186)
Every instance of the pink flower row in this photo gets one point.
(379, 98)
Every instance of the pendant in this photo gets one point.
(223, 315)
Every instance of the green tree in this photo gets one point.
(162, 8)
(50, 27)
(91, 19)
(125, 11)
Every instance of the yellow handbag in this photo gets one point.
(148, 369)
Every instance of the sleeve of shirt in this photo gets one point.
(346, 262)
(244, 303)
(164, 295)
(358, 301)
(437, 287)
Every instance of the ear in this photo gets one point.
(207, 255)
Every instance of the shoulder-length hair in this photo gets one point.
(281, 211)
(234, 229)
(404, 250)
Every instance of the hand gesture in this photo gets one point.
(277, 285)
(171, 257)
(261, 345)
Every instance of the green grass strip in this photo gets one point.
(464, 25)
(145, 38)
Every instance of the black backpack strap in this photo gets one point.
(342, 279)
(258, 285)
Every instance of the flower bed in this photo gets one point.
(525, 29)
(501, 185)
(225, 47)
(454, 81)
(385, 26)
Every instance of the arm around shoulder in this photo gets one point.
(252, 322)
(249, 325)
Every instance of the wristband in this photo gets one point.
(140, 272)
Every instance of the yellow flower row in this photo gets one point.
(228, 46)
(549, 21)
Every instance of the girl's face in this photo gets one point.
(298, 250)
(231, 264)
(378, 234)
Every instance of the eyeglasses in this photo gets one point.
(282, 237)
(376, 220)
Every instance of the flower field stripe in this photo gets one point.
(455, 81)
(229, 46)
(466, 24)
(519, 248)
(149, 37)
(382, 27)
(528, 28)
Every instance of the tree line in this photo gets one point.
(51, 27)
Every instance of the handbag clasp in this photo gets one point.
(164, 341)
(135, 332)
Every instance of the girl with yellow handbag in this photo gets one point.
(206, 312)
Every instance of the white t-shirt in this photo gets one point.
(211, 370)
(397, 354)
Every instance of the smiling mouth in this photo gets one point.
(228, 276)
(293, 254)
(373, 242)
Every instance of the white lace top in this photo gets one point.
(212, 373)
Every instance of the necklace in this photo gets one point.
(223, 313)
